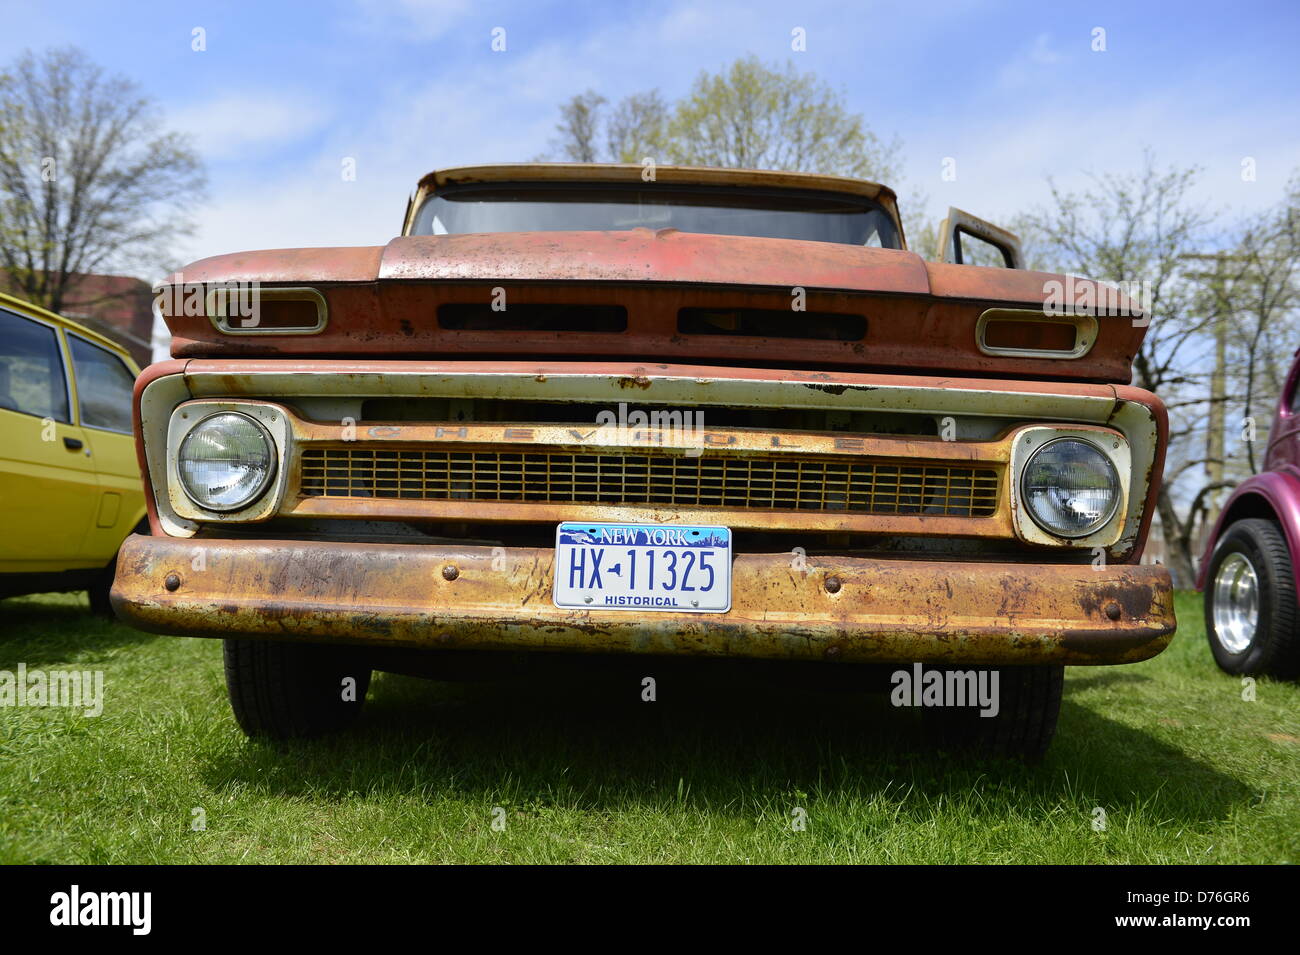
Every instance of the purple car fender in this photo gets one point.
(1277, 492)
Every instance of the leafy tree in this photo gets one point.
(637, 128)
(579, 127)
(752, 116)
(749, 115)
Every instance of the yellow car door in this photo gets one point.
(102, 384)
(48, 485)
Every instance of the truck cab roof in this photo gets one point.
(770, 191)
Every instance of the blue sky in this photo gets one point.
(1012, 91)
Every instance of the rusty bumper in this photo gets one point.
(831, 608)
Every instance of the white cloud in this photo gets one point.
(1031, 63)
(1041, 51)
(239, 125)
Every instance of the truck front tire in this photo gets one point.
(1028, 704)
(293, 690)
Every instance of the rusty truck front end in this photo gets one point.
(850, 545)
(433, 410)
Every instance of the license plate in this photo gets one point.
(642, 567)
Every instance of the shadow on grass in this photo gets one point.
(591, 742)
(1105, 676)
(53, 628)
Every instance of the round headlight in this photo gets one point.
(1070, 487)
(226, 462)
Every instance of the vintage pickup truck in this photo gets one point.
(612, 410)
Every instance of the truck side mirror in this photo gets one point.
(965, 239)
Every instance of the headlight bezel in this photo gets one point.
(256, 494)
(1111, 445)
(185, 418)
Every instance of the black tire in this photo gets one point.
(1274, 649)
(293, 690)
(1029, 703)
(98, 591)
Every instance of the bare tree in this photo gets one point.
(1259, 299)
(89, 182)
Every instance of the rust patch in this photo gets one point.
(1133, 599)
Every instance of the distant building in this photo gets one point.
(118, 306)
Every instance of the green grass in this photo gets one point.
(1185, 770)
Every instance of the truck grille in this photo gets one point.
(751, 481)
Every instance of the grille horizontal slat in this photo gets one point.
(751, 482)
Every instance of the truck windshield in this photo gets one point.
(546, 207)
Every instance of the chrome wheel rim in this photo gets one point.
(1236, 603)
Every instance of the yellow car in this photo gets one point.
(70, 488)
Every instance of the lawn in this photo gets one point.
(719, 769)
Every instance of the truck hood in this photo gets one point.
(391, 300)
(636, 255)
